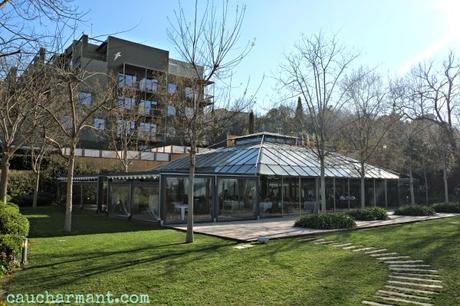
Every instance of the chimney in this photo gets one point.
(251, 123)
(41, 55)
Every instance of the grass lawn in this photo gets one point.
(437, 242)
(124, 257)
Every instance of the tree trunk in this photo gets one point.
(125, 159)
(446, 186)
(411, 185)
(69, 196)
(4, 177)
(425, 178)
(363, 191)
(323, 186)
(191, 189)
(37, 186)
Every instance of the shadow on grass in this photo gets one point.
(49, 222)
(52, 276)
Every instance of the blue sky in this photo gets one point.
(392, 35)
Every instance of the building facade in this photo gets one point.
(149, 83)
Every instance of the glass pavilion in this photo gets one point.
(262, 175)
(266, 175)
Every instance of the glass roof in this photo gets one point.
(273, 159)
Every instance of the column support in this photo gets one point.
(386, 192)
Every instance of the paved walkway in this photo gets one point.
(283, 227)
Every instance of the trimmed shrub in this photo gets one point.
(20, 183)
(13, 227)
(368, 214)
(326, 221)
(44, 198)
(447, 208)
(414, 210)
(12, 221)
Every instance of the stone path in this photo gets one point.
(411, 281)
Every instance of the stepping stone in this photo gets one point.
(409, 266)
(411, 290)
(243, 246)
(416, 275)
(352, 247)
(400, 300)
(339, 245)
(403, 262)
(426, 286)
(307, 239)
(363, 249)
(392, 258)
(404, 295)
(375, 303)
(323, 242)
(384, 254)
(413, 270)
(376, 251)
(417, 279)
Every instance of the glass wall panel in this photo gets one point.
(237, 198)
(119, 200)
(291, 200)
(330, 193)
(145, 202)
(341, 193)
(203, 199)
(404, 191)
(308, 195)
(393, 194)
(176, 199)
(355, 191)
(380, 192)
(271, 201)
(369, 191)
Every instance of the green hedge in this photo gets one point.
(326, 221)
(20, 183)
(44, 198)
(13, 228)
(415, 210)
(368, 214)
(447, 208)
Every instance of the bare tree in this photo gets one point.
(207, 41)
(71, 113)
(27, 25)
(39, 148)
(19, 97)
(314, 71)
(434, 96)
(365, 128)
(126, 131)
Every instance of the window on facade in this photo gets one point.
(148, 85)
(85, 98)
(128, 80)
(126, 102)
(99, 123)
(147, 106)
(171, 110)
(171, 131)
(171, 88)
(188, 112)
(188, 92)
(125, 127)
(147, 130)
